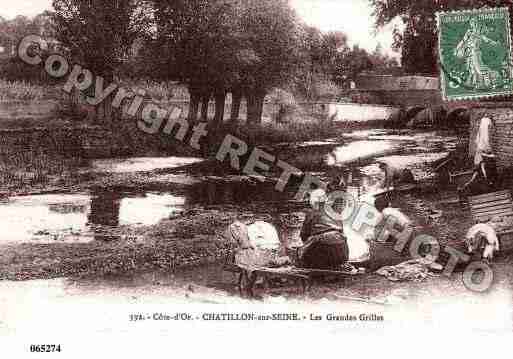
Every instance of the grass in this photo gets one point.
(292, 132)
(159, 91)
(30, 169)
(300, 125)
(26, 164)
(21, 91)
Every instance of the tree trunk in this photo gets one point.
(195, 97)
(255, 107)
(236, 101)
(74, 101)
(260, 107)
(252, 117)
(103, 110)
(220, 99)
(205, 99)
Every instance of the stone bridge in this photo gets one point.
(410, 93)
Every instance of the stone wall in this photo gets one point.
(402, 98)
(395, 83)
(353, 112)
(501, 133)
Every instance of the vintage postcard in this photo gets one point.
(475, 53)
(271, 178)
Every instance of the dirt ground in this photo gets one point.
(180, 261)
(181, 258)
(194, 240)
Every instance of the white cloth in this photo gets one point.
(400, 218)
(263, 235)
(317, 197)
(254, 243)
(483, 140)
(359, 248)
(390, 216)
(486, 230)
(237, 233)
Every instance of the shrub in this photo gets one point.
(27, 162)
(273, 133)
(285, 103)
(14, 69)
(157, 90)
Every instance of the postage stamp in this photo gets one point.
(475, 53)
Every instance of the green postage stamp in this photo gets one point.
(474, 47)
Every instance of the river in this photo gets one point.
(82, 217)
(103, 216)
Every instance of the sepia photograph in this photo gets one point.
(239, 177)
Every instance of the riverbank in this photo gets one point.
(143, 213)
(182, 257)
(195, 237)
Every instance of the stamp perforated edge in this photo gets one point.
(439, 14)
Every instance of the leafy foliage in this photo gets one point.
(418, 40)
(99, 33)
(224, 42)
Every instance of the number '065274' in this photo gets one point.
(45, 348)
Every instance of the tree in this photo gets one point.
(348, 64)
(382, 63)
(327, 58)
(310, 60)
(418, 41)
(12, 31)
(99, 33)
(270, 30)
(197, 41)
(245, 47)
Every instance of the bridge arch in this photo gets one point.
(458, 117)
(413, 111)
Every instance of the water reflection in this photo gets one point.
(150, 208)
(126, 165)
(359, 150)
(102, 215)
(45, 218)
(242, 191)
(81, 218)
(105, 208)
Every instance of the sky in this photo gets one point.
(11, 8)
(353, 17)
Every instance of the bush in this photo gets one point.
(27, 161)
(326, 90)
(14, 69)
(316, 87)
(285, 103)
(157, 90)
(273, 133)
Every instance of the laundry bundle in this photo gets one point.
(256, 245)
(413, 270)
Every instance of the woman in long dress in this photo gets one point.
(469, 48)
(325, 246)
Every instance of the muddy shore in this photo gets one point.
(214, 197)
